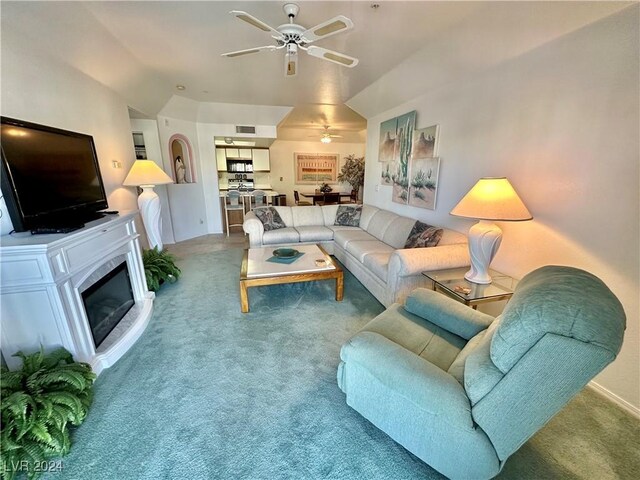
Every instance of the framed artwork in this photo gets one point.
(385, 173)
(424, 168)
(402, 155)
(313, 168)
(423, 187)
(387, 147)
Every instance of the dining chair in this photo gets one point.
(296, 197)
(233, 203)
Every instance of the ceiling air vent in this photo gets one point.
(245, 129)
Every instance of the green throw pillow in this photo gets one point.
(348, 216)
(270, 218)
(423, 235)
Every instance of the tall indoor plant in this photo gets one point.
(352, 172)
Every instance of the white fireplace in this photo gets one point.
(43, 278)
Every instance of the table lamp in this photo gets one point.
(491, 199)
(146, 175)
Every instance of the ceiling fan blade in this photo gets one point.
(249, 50)
(331, 56)
(251, 20)
(326, 29)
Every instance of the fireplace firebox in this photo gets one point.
(107, 301)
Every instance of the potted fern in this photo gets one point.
(159, 267)
(39, 401)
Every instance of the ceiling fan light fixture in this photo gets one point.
(325, 139)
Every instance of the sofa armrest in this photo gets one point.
(405, 373)
(447, 313)
(413, 261)
(253, 227)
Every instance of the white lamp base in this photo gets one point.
(484, 240)
(149, 205)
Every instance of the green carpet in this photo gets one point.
(208, 392)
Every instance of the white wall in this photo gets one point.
(283, 165)
(186, 201)
(562, 123)
(39, 89)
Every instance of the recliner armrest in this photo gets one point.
(411, 376)
(447, 313)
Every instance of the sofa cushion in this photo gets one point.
(344, 237)
(397, 233)
(286, 215)
(270, 218)
(417, 335)
(367, 214)
(348, 215)
(337, 228)
(423, 235)
(378, 263)
(282, 235)
(451, 237)
(380, 222)
(307, 216)
(361, 248)
(329, 214)
(316, 233)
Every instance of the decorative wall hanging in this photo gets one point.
(387, 148)
(400, 168)
(181, 156)
(314, 168)
(424, 168)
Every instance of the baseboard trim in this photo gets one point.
(633, 410)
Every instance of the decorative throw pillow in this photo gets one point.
(270, 218)
(348, 216)
(423, 235)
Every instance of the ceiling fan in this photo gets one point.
(293, 37)
(326, 136)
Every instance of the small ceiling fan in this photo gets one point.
(293, 37)
(326, 136)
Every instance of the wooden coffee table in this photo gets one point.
(256, 271)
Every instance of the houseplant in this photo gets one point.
(352, 172)
(38, 403)
(159, 267)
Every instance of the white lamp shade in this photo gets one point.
(492, 199)
(146, 172)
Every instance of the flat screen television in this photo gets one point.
(50, 177)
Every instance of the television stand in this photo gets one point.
(65, 229)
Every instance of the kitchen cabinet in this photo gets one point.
(244, 153)
(261, 162)
(221, 159)
(232, 153)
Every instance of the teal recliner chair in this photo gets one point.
(462, 390)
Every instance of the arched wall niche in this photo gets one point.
(182, 162)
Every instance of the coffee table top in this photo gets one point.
(258, 267)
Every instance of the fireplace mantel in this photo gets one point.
(42, 278)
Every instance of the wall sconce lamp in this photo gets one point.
(146, 174)
(490, 199)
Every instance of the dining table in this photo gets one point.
(319, 196)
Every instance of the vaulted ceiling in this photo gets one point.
(144, 49)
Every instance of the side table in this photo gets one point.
(452, 282)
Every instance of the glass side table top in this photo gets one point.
(452, 281)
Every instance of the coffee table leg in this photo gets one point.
(244, 298)
(339, 287)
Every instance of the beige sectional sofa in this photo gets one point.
(373, 252)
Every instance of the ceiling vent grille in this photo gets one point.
(245, 129)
